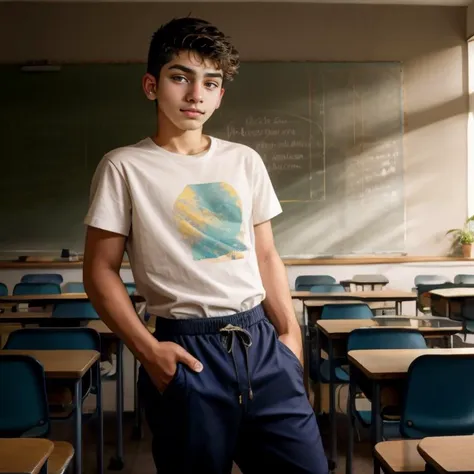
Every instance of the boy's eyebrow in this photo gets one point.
(188, 70)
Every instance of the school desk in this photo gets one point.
(454, 303)
(386, 368)
(24, 455)
(448, 454)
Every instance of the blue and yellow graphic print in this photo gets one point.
(209, 217)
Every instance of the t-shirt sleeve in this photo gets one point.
(265, 201)
(110, 204)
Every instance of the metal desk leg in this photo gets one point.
(376, 422)
(78, 427)
(332, 408)
(317, 369)
(100, 424)
(137, 432)
(117, 463)
(351, 419)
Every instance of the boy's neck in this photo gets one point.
(190, 142)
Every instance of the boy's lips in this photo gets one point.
(192, 112)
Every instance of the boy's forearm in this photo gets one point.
(278, 303)
(112, 302)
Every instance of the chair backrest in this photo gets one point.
(54, 339)
(335, 288)
(346, 311)
(385, 338)
(463, 278)
(3, 289)
(75, 310)
(36, 289)
(23, 397)
(439, 398)
(42, 278)
(431, 280)
(305, 282)
(74, 287)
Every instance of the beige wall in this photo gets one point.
(429, 40)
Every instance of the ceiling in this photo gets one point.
(377, 2)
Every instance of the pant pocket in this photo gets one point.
(290, 354)
(284, 349)
(176, 381)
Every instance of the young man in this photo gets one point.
(193, 213)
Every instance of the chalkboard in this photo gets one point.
(330, 135)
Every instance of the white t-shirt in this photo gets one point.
(189, 222)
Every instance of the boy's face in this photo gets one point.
(189, 90)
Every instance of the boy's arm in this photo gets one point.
(103, 256)
(278, 303)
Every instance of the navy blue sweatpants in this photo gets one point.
(248, 404)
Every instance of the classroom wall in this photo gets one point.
(429, 40)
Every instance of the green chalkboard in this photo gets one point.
(330, 134)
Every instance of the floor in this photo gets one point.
(138, 459)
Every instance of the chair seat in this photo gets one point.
(60, 458)
(341, 375)
(400, 456)
(366, 418)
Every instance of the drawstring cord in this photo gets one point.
(246, 339)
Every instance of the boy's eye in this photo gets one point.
(211, 85)
(179, 78)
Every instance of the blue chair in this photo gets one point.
(461, 279)
(319, 370)
(74, 310)
(25, 413)
(383, 338)
(370, 339)
(3, 289)
(42, 278)
(23, 398)
(37, 289)
(431, 280)
(305, 282)
(74, 287)
(335, 288)
(347, 311)
(439, 398)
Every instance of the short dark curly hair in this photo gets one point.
(192, 34)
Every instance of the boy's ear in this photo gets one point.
(149, 86)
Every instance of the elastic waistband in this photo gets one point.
(194, 327)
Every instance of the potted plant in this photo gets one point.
(465, 237)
